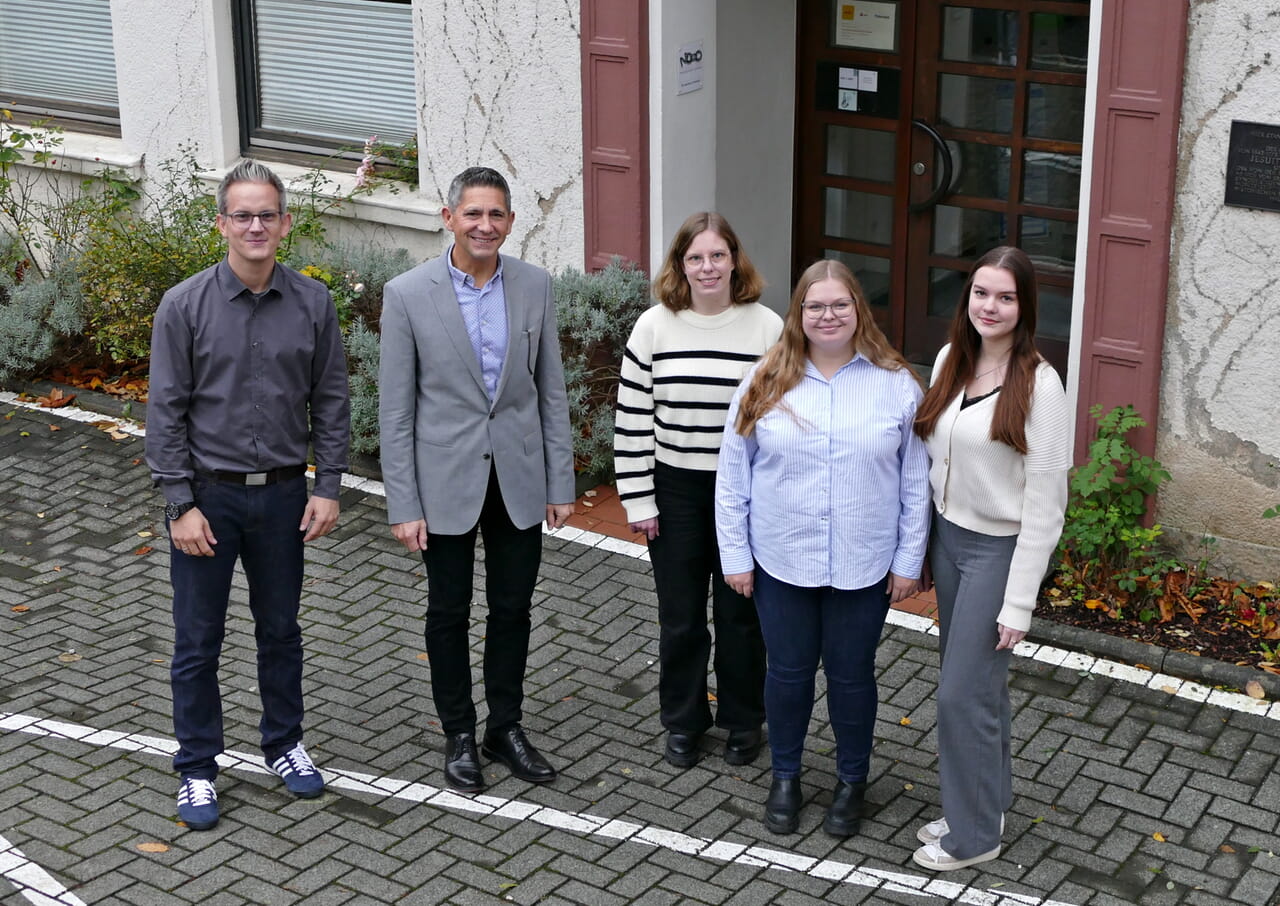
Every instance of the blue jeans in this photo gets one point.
(843, 628)
(259, 527)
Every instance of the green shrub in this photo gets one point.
(362, 363)
(596, 312)
(132, 257)
(35, 312)
(1105, 549)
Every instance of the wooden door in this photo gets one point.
(930, 131)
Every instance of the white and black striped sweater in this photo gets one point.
(678, 376)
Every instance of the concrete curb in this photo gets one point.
(1203, 670)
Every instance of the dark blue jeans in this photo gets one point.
(259, 527)
(842, 628)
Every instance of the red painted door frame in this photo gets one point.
(1135, 161)
(615, 131)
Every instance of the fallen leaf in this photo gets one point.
(153, 848)
(1159, 837)
(587, 503)
(24, 433)
(19, 608)
(1172, 690)
(905, 722)
(1254, 689)
(1227, 848)
(117, 435)
(143, 550)
(908, 786)
(711, 696)
(1095, 604)
(41, 515)
(422, 655)
(590, 494)
(56, 399)
(144, 534)
(68, 657)
(55, 428)
(1037, 819)
(507, 885)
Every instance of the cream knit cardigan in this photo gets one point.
(988, 487)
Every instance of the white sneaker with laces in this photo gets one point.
(299, 774)
(934, 831)
(934, 857)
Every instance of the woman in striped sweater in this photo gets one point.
(995, 421)
(683, 361)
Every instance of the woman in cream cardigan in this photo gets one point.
(995, 422)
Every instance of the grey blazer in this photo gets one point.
(439, 432)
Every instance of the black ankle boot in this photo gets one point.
(782, 808)
(844, 817)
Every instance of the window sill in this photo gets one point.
(389, 204)
(89, 155)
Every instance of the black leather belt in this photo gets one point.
(257, 479)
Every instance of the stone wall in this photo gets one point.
(1219, 428)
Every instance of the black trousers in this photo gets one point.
(512, 556)
(685, 559)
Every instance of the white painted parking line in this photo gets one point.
(32, 881)
(513, 810)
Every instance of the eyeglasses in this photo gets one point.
(716, 258)
(242, 219)
(815, 310)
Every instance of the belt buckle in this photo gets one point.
(255, 479)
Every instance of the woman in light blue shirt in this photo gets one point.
(822, 512)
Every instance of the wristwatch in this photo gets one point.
(176, 510)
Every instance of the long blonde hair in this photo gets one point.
(783, 365)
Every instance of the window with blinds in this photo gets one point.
(320, 75)
(56, 60)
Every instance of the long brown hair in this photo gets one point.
(671, 287)
(783, 365)
(1009, 423)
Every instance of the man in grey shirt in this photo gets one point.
(247, 371)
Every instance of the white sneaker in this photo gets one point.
(934, 857)
(934, 831)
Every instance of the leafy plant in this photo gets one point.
(363, 356)
(35, 312)
(1106, 551)
(596, 312)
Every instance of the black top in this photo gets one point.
(971, 400)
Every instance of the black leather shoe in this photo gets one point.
(782, 808)
(462, 764)
(512, 748)
(743, 746)
(682, 749)
(844, 817)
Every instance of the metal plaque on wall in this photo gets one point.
(1253, 166)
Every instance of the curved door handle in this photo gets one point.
(948, 168)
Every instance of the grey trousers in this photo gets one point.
(970, 571)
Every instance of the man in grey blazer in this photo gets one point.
(475, 437)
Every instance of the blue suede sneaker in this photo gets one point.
(197, 803)
(300, 776)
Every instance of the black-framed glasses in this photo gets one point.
(242, 219)
(841, 308)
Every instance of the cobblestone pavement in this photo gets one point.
(1125, 793)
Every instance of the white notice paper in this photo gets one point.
(849, 77)
(689, 68)
(868, 80)
(869, 24)
(848, 99)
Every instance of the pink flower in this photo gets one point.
(364, 172)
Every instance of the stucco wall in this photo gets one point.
(1220, 413)
(499, 85)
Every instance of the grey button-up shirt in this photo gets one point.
(244, 384)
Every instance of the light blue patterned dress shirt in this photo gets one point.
(831, 488)
(484, 311)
